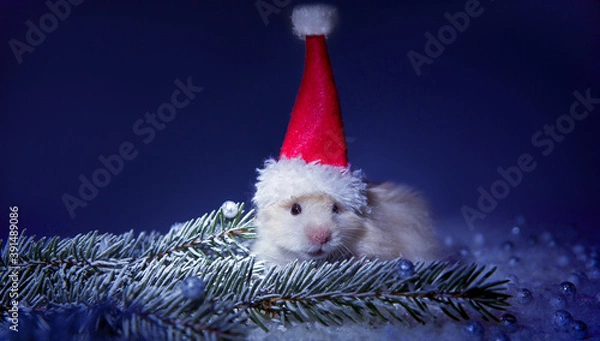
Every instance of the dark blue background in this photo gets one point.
(78, 94)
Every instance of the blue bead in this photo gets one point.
(525, 296)
(580, 330)
(562, 320)
(474, 329)
(192, 288)
(568, 289)
(405, 268)
(507, 246)
(509, 321)
(516, 230)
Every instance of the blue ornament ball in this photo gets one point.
(405, 268)
(509, 321)
(507, 246)
(580, 330)
(514, 261)
(562, 320)
(525, 296)
(474, 330)
(192, 288)
(567, 288)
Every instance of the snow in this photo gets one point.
(554, 274)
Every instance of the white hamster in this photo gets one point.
(316, 227)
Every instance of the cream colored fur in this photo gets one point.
(398, 224)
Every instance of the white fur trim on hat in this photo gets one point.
(316, 20)
(288, 178)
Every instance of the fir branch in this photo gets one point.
(152, 296)
(363, 289)
(148, 304)
(134, 273)
(211, 236)
(126, 286)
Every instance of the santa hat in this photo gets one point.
(313, 157)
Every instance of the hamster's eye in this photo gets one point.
(335, 208)
(296, 209)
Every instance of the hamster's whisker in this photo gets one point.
(347, 249)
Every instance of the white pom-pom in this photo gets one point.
(311, 20)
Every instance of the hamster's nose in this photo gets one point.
(319, 235)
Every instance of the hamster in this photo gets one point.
(316, 227)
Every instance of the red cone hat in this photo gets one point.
(313, 156)
(315, 131)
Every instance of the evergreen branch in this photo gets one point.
(359, 289)
(130, 304)
(92, 268)
(209, 232)
(155, 299)
(127, 286)
(211, 236)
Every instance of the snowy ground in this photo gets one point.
(539, 259)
